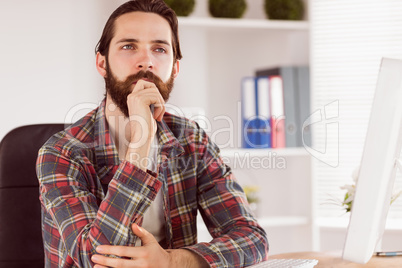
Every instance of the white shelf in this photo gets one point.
(238, 24)
(331, 222)
(285, 221)
(241, 152)
(343, 223)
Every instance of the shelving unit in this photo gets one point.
(286, 198)
(217, 54)
(237, 24)
(268, 222)
(241, 152)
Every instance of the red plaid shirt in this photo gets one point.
(77, 166)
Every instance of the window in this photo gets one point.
(348, 40)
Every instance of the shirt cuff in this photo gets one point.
(137, 179)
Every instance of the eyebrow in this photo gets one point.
(133, 40)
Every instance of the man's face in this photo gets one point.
(142, 42)
(119, 90)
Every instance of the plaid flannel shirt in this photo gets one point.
(89, 197)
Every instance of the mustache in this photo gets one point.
(148, 75)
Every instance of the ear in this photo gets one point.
(176, 68)
(101, 64)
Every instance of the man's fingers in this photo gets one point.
(159, 111)
(103, 261)
(143, 234)
(122, 251)
(127, 256)
(143, 84)
(99, 266)
(148, 96)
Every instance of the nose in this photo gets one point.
(145, 62)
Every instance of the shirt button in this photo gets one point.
(151, 188)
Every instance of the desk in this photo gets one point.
(334, 259)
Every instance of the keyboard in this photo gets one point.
(286, 263)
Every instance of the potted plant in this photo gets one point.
(284, 9)
(181, 7)
(227, 8)
(351, 189)
(251, 192)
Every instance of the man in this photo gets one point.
(122, 186)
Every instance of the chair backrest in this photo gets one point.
(21, 242)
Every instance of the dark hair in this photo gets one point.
(153, 6)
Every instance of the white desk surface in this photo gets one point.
(334, 259)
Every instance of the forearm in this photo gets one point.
(79, 208)
(138, 156)
(183, 258)
(241, 247)
(238, 239)
(139, 146)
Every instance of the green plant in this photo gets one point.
(351, 189)
(227, 8)
(251, 193)
(284, 9)
(181, 7)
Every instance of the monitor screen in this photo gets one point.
(378, 165)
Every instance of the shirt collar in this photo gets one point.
(170, 145)
(106, 151)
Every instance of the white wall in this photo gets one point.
(47, 59)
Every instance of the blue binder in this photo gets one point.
(256, 128)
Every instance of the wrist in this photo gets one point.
(184, 258)
(141, 129)
(138, 156)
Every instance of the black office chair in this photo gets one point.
(20, 217)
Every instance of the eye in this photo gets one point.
(127, 47)
(160, 50)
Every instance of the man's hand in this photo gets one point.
(150, 254)
(143, 95)
(142, 121)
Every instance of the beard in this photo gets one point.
(119, 90)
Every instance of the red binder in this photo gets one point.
(277, 112)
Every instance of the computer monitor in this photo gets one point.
(378, 165)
